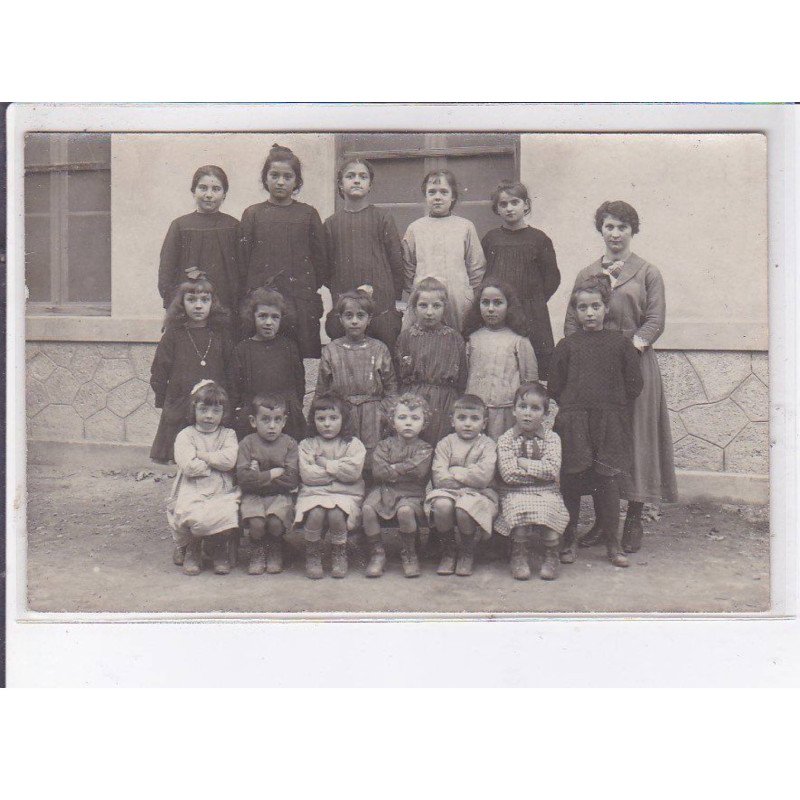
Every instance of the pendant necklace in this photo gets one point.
(203, 357)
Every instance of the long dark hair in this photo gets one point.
(515, 317)
(218, 318)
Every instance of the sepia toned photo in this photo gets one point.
(404, 372)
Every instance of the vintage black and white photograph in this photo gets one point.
(399, 372)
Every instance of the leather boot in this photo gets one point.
(258, 562)
(408, 554)
(614, 549)
(192, 559)
(520, 569)
(549, 568)
(569, 545)
(447, 566)
(377, 557)
(466, 555)
(632, 533)
(274, 555)
(222, 559)
(314, 560)
(339, 560)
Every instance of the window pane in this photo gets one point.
(89, 258)
(37, 193)
(37, 258)
(398, 180)
(37, 148)
(91, 148)
(478, 176)
(89, 191)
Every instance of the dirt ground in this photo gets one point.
(98, 541)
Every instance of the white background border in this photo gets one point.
(533, 652)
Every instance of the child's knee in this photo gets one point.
(464, 521)
(549, 537)
(406, 519)
(256, 527)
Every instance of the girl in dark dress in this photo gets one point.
(524, 258)
(267, 363)
(282, 246)
(364, 251)
(595, 376)
(196, 345)
(203, 241)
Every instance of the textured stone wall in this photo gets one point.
(718, 401)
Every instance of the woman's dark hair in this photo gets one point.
(357, 296)
(536, 389)
(331, 401)
(515, 189)
(218, 318)
(596, 284)
(211, 394)
(279, 153)
(515, 317)
(621, 211)
(264, 297)
(437, 175)
(215, 172)
(345, 164)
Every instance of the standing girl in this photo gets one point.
(462, 475)
(400, 467)
(524, 258)
(499, 354)
(332, 488)
(431, 357)
(364, 250)
(595, 376)
(529, 462)
(195, 346)
(203, 241)
(358, 368)
(268, 362)
(282, 244)
(444, 246)
(204, 502)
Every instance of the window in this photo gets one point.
(68, 223)
(478, 160)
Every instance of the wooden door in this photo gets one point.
(401, 160)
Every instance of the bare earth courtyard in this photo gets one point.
(98, 542)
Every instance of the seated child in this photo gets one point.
(204, 502)
(529, 460)
(332, 490)
(267, 471)
(401, 464)
(462, 474)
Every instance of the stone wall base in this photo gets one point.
(728, 487)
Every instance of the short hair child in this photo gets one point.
(513, 188)
(595, 284)
(204, 502)
(401, 464)
(357, 296)
(267, 472)
(332, 489)
(462, 494)
(437, 176)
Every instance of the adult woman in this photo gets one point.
(638, 309)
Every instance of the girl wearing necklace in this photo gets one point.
(195, 346)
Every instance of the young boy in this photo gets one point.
(267, 471)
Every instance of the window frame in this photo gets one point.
(60, 168)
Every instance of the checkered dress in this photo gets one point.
(530, 495)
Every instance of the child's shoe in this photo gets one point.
(377, 557)
(339, 561)
(314, 560)
(447, 566)
(192, 559)
(618, 558)
(258, 562)
(466, 555)
(274, 555)
(408, 555)
(520, 569)
(549, 568)
(222, 560)
(178, 554)
(614, 547)
(569, 545)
